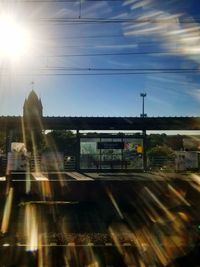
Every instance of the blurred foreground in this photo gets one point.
(98, 220)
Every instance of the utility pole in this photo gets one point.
(143, 115)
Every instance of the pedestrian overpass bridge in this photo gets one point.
(105, 123)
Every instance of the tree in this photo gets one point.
(154, 140)
(160, 156)
(61, 140)
(2, 141)
(175, 142)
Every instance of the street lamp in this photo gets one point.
(143, 95)
(143, 115)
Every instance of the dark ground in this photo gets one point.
(98, 220)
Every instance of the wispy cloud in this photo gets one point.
(195, 93)
(168, 27)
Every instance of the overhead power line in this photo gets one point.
(119, 54)
(109, 70)
(113, 70)
(158, 72)
(81, 20)
(106, 72)
(108, 20)
(89, 37)
(121, 69)
(97, 46)
(111, 73)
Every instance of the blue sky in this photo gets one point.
(162, 35)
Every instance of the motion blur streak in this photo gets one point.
(28, 182)
(178, 195)
(94, 264)
(157, 201)
(7, 212)
(196, 181)
(130, 255)
(31, 228)
(115, 204)
(28, 178)
(154, 245)
(43, 252)
(115, 240)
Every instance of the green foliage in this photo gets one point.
(175, 142)
(160, 151)
(161, 157)
(2, 141)
(61, 140)
(154, 140)
(61, 134)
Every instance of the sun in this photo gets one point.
(14, 39)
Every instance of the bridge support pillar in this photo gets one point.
(77, 150)
(144, 151)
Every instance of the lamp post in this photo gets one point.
(143, 95)
(143, 115)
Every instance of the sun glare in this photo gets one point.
(14, 39)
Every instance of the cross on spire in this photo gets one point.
(32, 83)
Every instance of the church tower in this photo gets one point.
(33, 107)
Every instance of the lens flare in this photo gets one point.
(7, 212)
(14, 39)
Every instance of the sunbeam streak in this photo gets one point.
(7, 211)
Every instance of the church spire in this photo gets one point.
(33, 106)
